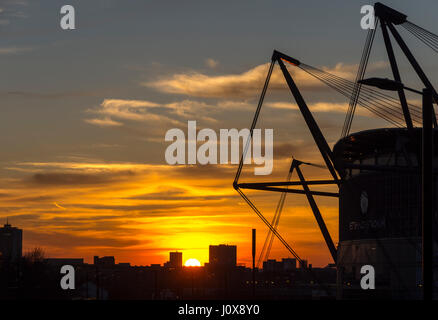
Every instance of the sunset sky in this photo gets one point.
(84, 114)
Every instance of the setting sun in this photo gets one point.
(192, 263)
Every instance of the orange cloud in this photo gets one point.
(322, 107)
(59, 206)
(139, 212)
(246, 84)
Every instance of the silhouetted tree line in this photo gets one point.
(30, 278)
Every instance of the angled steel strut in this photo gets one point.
(322, 145)
(320, 141)
(267, 245)
(389, 18)
(399, 112)
(316, 212)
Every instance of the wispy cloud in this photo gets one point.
(315, 107)
(49, 95)
(145, 207)
(211, 63)
(14, 50)
(12, 9)
(243, 85)
(59, 206)
(104, 122)
(113, 111)
(320, 107)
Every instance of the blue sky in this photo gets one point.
(119, 44)
(73, 102)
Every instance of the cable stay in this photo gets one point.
(397, 112)
(357, 86)
(238, 186)
(375, 101)
(267, 245)
(428, 38)
(390, 18)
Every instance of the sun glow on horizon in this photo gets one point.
(192, 263)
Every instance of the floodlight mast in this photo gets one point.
(321, 224)
(396, 74)
(326, 152)
(320, 141)
(388, 18)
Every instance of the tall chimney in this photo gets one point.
(253, 259)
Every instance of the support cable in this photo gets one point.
(428, 38)
(288, 247)
(372, 93)
(382, 105)
(254, 122)
(267, 245)
(359, 76)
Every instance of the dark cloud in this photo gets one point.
(177, 195)
(144, 210)
(62, 178)
(48, 95)
(31, 199)
(198, 171)
(286, 150)
(60, 239)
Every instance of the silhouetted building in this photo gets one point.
(272, 265)
(175, 259)
(222, 256)
(303, 264)
(124, 264)
(104, 261)
(380, 212)
(59, 262)
(289, 264)
(285, 265)
(11, 243)
(220, 278)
